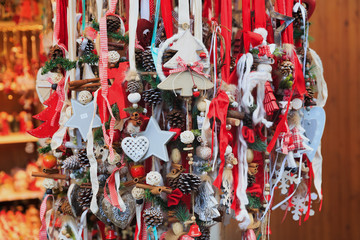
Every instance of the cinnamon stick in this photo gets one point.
(49, 175)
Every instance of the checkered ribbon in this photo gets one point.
(196, 67)
(264, 51)
(291, 141)
(42, 232)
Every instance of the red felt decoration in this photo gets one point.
(50, 117)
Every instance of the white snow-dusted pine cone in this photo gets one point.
(71, 162)
(84, 97)
(187, 137)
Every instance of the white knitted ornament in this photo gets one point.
(134, 97)
(138, 193)
(153, 178)
(84, 97)
(187, 137)
(203, 152)
(49, 183)
(56, 77)
(115, 160)
(113, 56)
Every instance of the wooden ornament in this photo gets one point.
(135, 147)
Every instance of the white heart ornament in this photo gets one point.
(135, 147)
(314, 123)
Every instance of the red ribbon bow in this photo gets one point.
(196, 67)
(248, 134)
(174, 198)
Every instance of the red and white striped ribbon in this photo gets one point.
(42, 232)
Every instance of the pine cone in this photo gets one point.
(188, 182)
(112, 23)
(84, 197)
(247, 121)
(147, 61)
(152, 217)
(176, 118)
(138, 58)
(298, 22)
(173, 182)
(251, 180)
(134, 86)
(55, 52)
(168, 54)
(309, 100)
(286, 68)
(205, 233)
(83, 159)
(71, 162)
(89, 47)
(66, 208)
(152, 96)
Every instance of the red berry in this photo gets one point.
(196, 94)
(202, 55)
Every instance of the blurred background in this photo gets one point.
(336, 32)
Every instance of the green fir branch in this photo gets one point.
(45, 149)
(258, 145)
(116, 36)
(131, 110)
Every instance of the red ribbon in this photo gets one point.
(196, 67)
(60, 28)
(265, 51)
(248, 134)
(166, 13)
(174, 198)
(218, 110)
(226, 26)
(112, 189)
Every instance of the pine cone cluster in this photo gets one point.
(205, 233)
(71, 162)
(168, 54)
(55, 52)
(153, 217)
(176, 118)
(152, 96)
(286, 68)
(112, 23)
(188, 182)
(147, 61)
(66, 208)
(84, 197)
(134, 86)
(298, 22)
(83, 159)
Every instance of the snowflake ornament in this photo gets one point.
(286, 180)
(300, 206)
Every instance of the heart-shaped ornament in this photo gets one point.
(135, 147)
(313, 122)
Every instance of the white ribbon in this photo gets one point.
(93, 163)
(145, 10)
(306, 31)
(184, 15)
(133, 18)
(197, 12)
(83, 225)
